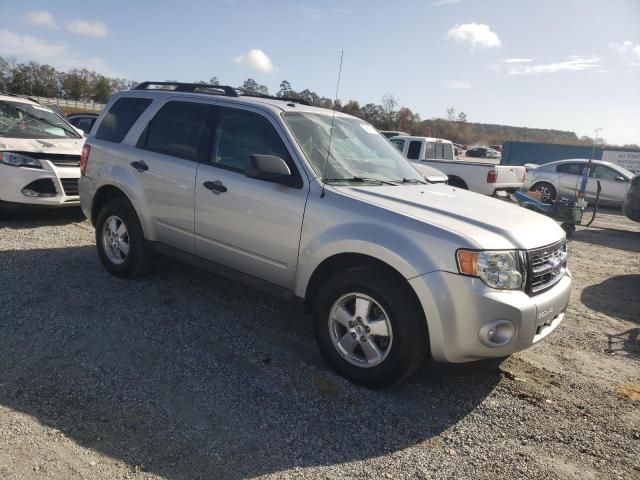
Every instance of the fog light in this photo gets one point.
(497, 333)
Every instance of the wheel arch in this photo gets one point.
(105, 194)
(348, 261)
(456, 181)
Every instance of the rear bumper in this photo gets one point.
(57, 186)
(459, 309)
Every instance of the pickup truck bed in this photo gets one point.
(481, 177)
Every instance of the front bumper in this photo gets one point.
(457, 307)
(14, 179)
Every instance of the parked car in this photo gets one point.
(39, 155)
(485, 178)
(83, 121)
(482, 152)
(497, 148)
(562, 179)
(393, 269)
(631, 205)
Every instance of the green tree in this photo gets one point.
(251, 85)
(285, 90)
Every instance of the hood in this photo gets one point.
(488, 222)
(60, 146)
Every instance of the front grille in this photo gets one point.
(58, 159)
(70, 186)
(547, 265)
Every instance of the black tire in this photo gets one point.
(138, 260)
(409, 348)
(548, 191)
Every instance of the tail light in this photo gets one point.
(84, 159)
(492, 176)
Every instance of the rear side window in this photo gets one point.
(603, 173)
(178, 129)
(120, 118)
(414, 150)
(240, 134)
(570, 168)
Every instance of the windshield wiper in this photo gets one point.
(359, 180)
(412, 181)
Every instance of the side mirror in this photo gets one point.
(620, 178)
(269, 168)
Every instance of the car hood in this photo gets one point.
(488, 222)
(431, 174)
(60, 146)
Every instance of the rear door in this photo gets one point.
(250, 225)
(166, 161)
(568, 178)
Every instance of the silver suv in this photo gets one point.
(314, 205)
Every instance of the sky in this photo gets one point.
(563, 64)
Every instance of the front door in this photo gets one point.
(614, 185)
(250, 225)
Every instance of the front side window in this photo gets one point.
(178, 129)
(399, 144)
(604, 173)
(241, 134)
(120, 118)
(355, 151)
(28, 120)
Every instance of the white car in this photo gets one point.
(480, 177)
(39, 155)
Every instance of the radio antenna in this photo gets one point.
(333, 118)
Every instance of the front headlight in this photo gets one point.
(498, 269)
(19, 160)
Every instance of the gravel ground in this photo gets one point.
(183, 375)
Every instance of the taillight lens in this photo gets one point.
(84, 159)
(492, 176)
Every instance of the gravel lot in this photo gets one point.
(183, 375)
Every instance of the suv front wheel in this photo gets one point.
(368, 328)
(120, 241)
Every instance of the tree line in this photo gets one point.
(36, 79)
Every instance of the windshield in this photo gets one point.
(27, 120)
(358, 151)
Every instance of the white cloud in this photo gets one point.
(478, 35)
(27, 47)
(517, 60)
(258, 60)
(41, 18)
(627, 50)
(440, 3)
(88, 28)
(457, 84)
(573, 64)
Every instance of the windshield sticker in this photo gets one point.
(44, 109)
(368, 128)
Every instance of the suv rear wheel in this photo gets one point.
(368, 328)
(120, 241)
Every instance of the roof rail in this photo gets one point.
(188, 87)
(212, 89)
(251, 93)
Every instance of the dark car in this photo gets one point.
(631, 206)
(83, 121)
(482, 152)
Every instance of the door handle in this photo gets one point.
(216, 187)
(140, 166)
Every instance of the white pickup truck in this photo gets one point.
(480, 177)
